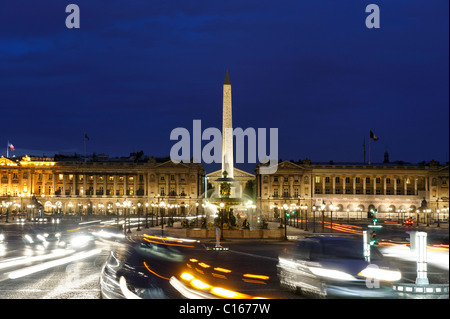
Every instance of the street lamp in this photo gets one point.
(323, 217)
(146, 215)
(127, 205)
(117, 212)
(428, 216)
(314, 219)
(331, 219)
(285, 206)
(196, 215)
(139, 216)
(305, 207)
(221, 219)
(153, 215)
(437, 211)
(162, 205)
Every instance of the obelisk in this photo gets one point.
(227, 129)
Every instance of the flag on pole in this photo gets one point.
(373, 136)
(11, 147)
(86, 137)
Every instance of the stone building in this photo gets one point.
(355, 188)
(99, 185)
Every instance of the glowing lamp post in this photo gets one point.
(285, 206)
(162, 205)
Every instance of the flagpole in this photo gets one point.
(84, 139)
(7, 150)
(369, 150)
(364, 147)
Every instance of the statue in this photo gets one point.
(225, 188)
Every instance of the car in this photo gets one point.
(43, 219)
(76, 240)
(409, 222)
(10, 238)
(33, 237)
(333, 266)
(142, 269)
(21, 219)
(44, 237)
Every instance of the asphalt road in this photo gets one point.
(36, 272)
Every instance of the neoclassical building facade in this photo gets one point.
(354, 188)
(98, 186)
(102, 185)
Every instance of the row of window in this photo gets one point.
(358, 180)
(100, 191)
(286, 192)
(90, 177)
(368, 191)
(338, 179)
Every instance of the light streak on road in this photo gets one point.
(54, 263)
(25, 260)
(345, 228)
(437, 256)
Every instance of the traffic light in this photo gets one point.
(374, 217)
(373, 239)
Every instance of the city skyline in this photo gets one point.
(130, 75)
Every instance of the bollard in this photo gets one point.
(421, 248)
(366, 246)
(218, 246)
(418, 245)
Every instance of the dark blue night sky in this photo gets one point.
(135, 70)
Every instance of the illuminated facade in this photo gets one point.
(355, 188)
(100, 186)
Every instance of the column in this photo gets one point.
(74, 185)
(343, 184)
(125, 184)
(54, 183)
(167, 180)
(333, 182)
(405, 185)
(323, 184)
(95, 184)
(30, 183)
(313, 185)
(115, 185)
(374, 184)
(9, 191)
(64, 185)
(105, 184)
(84, 184)
(364, 184)
(291, 187)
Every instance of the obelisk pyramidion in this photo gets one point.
(227, 129)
